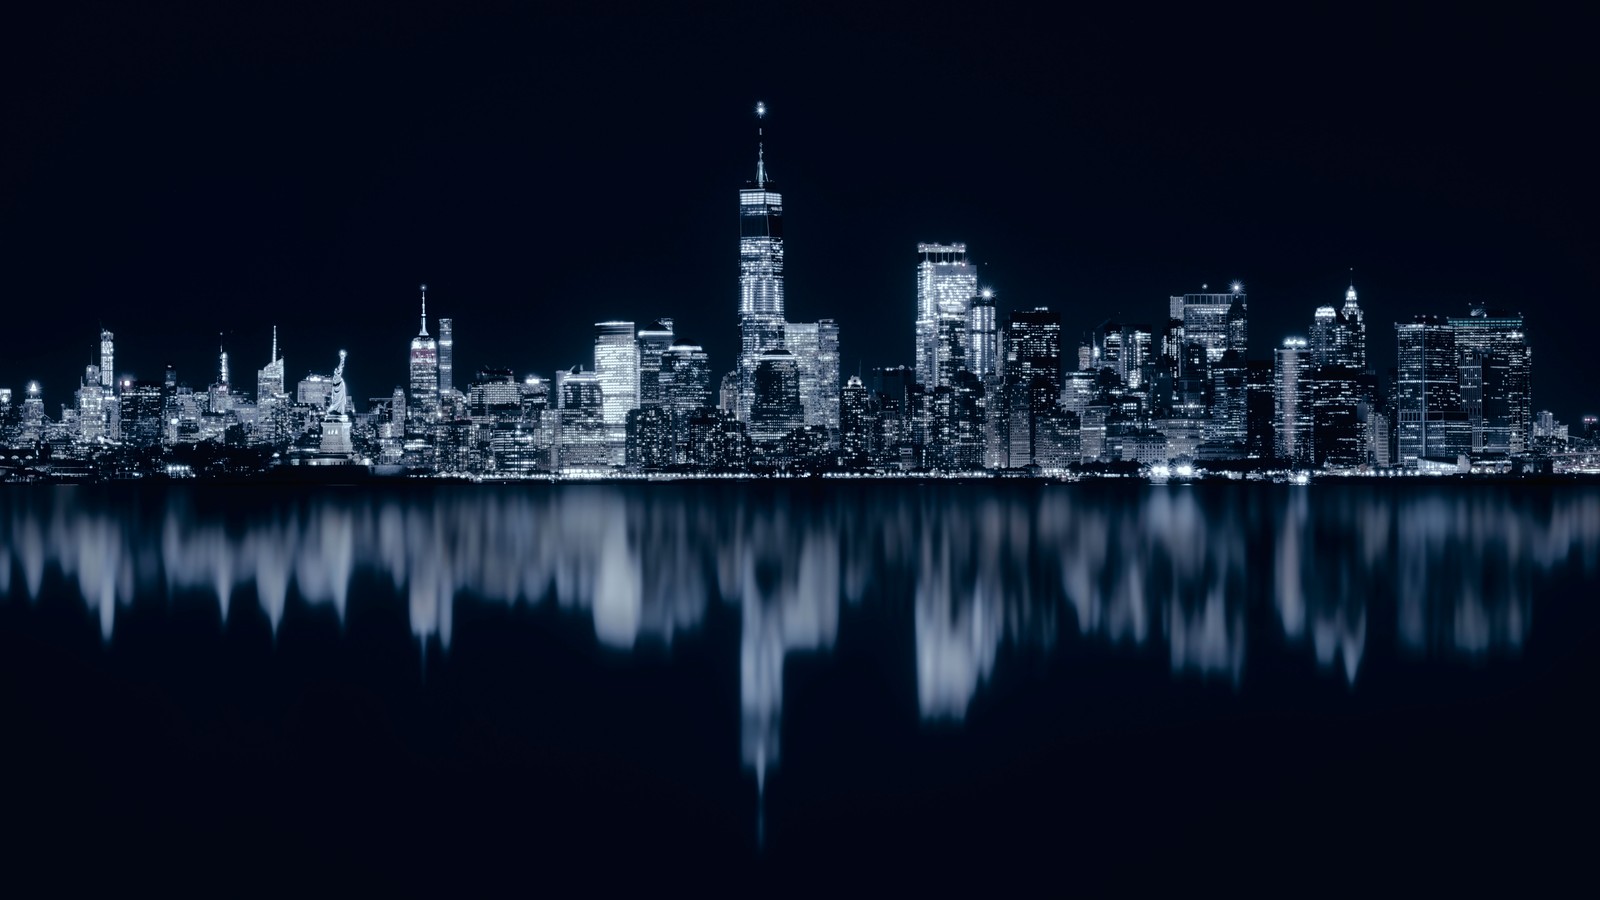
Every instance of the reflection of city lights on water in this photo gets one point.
(982, 573)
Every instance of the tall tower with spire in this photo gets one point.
(424, 370)
(761, 305)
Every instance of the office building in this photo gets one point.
(761, 301)
(983, 336)
(946, 284)
(776, 410)
(1500, 343)
(1291, 420)
(654, 340)
(1430, 419)
(424, 357)
(616, 364)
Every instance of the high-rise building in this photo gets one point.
(1338, 435)
(654, 340)
(856, 422)
(269, 378)
(616, 364)
(1260, 406)
(1230, 401)
(776, 409)
(1429, 416)
(761, 302)
(1323, 339)
(1292, 402)
(683, 386)
(1501, 343)
(424, 356)
(684, 380)
(983, 334)
(1032, 369)
(946, 284)
(1126, 350)
(1216, 322)
(447, 358)
(91, 410)
(1353, 351)
(815, 346)
(108, 357)
(141, 414)
(583, 443)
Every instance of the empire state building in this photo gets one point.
(761, 309)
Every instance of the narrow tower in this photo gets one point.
(761, 302)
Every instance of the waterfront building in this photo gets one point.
(857, 423)
(1430, 419)
(616, 364)
(1500, 343)
(1292, 402)
(583, 443)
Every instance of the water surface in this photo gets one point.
(459, 683)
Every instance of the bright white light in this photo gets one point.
(1185, 471)
(988, 293)
(1237, 286)
(761, 109)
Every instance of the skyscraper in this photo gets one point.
(1216, 322)
(983, 333)
(447, 358)
(1292, 402)
(424, 358)
(616, 364)
(583, 442)
(269, 378)
(946, 284)
(654, 340)
(1501, 344)
(1032, 387)
(761, 304)
(1429, 417)
(108, 356)
(776, 409)
(815, 346)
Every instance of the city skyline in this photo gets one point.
(259, 173)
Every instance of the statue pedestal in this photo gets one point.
(336, 434)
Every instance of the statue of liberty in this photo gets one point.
(338, 404)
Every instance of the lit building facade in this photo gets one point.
(776, 409)
(946, 285)
(815, 346)
(654, 340)
(983, 333)
(424, 364)
(616, 364)
(1430, 419)
(1216, 322)
(761, 301)
(1501, 344)
(1292, 402)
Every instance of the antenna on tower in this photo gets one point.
(424, 309)
(761, 147)
(274, 343)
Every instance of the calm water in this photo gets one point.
(1194, 686)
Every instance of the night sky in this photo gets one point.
(175, 174)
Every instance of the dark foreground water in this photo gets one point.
(1201, 687)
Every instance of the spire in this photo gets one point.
(274, 344)
(1350, 295)
(761, 149)
(424, 310)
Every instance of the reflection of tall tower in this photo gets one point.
(761, 304)
(425, 368)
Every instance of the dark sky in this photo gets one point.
(176, 174)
